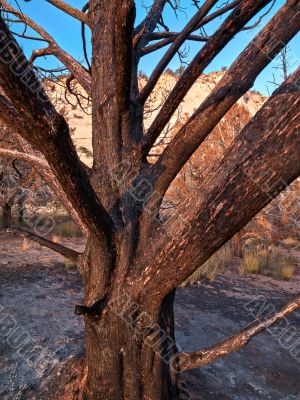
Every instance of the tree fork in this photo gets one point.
(237, 81)
(131, 352)
(239, 178)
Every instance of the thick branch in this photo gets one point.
(179, 40)
(58, 248)
(236, 82)
(82, 76)
(231, 26)
(49, 133)
(72, 11)
(31, 159)
(236, 342)
(261, 162)
(112, 65)
(219, 12)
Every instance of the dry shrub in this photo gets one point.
(291, 243)
(287, 271)
(252, 262)
(67, 229)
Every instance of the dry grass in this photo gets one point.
(269, 261)
(216, 264)
(25, 245)
(69, 264)
(287, 271)
(287, 267)
(252, 262)
(55, 238)
(67, 229)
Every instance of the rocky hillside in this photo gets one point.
(80, 119)
(213, 148)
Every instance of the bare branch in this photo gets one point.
(84, 9)
(179, 40)
(173, 35)
(153, 17)
(81, 74)
(236, 342)
(40, 53)
(167, 41)
(49, 133)
(219, 12)
(236, 82)
(261, 162)
(58, 248)
(72, 11)
(231, 26)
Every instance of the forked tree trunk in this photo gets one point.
(131, 353)
(6, 215)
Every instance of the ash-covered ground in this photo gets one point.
(37, 298)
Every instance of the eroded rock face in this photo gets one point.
(80, 120)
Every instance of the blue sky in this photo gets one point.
(66, 32)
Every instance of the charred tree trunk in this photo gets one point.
(133, 262)
(128, 360)
(6, 215)
(131, 350)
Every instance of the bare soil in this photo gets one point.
(40, 335)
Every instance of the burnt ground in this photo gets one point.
(39, 332)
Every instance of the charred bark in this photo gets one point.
(133, 262)
(6, 215)
(131, 351)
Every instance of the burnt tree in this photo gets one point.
(133, 261)
(6, 215)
